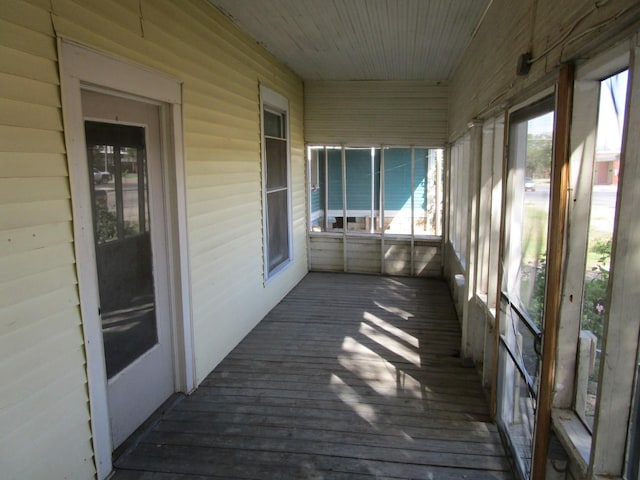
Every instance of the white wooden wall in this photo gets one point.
(486, 77)
(376, 112)
(44, 416)
(369, 255)
(485, 85)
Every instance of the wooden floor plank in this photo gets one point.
(413, 402)
(350, 376)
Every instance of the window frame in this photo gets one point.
(460, 158)
(515, 370)
(313, 175)
(273, 102)
(622, 326)
(607, 449)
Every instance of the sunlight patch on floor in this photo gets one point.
(390, 344)
(353, 400)
(395, 310)
(383, 381)
(392, 329)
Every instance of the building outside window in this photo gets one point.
(349, 185)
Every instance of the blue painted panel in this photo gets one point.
(359, 179)
(335, 179)
(397, 178)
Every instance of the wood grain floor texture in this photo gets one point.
(349, 377)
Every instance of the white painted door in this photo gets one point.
(123, 138)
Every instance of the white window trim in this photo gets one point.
(80, 66)
(460, 157)
(604, 451)
(615, 388)
(272, 100)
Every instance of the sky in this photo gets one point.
(613, 92)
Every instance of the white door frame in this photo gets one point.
(81, 66)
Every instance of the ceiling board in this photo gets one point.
(361, 39)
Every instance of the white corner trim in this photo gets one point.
(187, 379)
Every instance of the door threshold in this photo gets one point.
(130, 443)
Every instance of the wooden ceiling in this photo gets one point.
(361, 39)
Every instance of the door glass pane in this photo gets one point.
(601, 224)
(122, 242)
(101, 168)
(134, 190)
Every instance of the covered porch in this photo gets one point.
(350, 376)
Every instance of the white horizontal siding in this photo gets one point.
(221, 69)
(44, 428)
(43, 391)
(376, 112)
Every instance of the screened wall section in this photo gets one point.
(375, 209)
(522, 292)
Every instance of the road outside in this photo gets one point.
(603, 206)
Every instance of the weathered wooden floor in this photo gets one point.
(350, 376)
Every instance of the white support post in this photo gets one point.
(382, 258)
(475, 157)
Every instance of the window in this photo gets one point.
(119, 178)
(604, 188)
(489, 210)
(276, 182)
(349, 185)
(459, 195)
(524, 278)
(597, 349)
